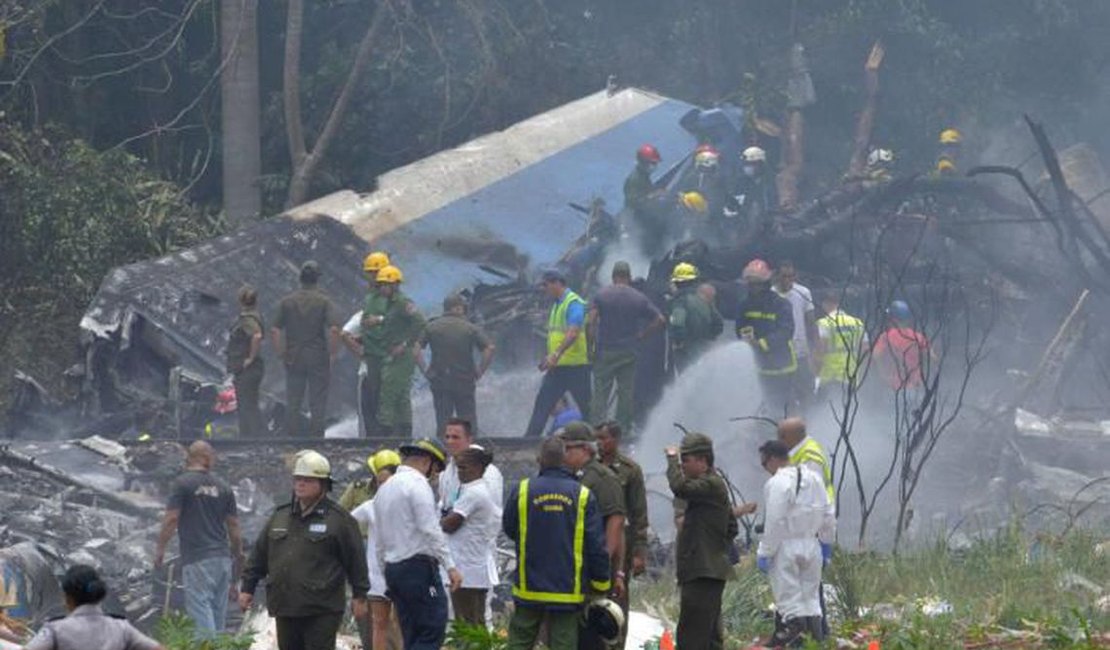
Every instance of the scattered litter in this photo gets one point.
(1031, 423)
(643, 630)
(107, 448)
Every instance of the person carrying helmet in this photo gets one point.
(766, 322)
(381, 631)
(901, 351)
(401, 328)
(799, 518)
(556, 527)
(244, 362)
(948, 157)
(704, 543)
(843, 339)
(693, 323)
(709, 182)
(640, 202)
(412, 547)
(754, 198)
(364, 340)
(308, 552)
(878, 167)
(305, 334)
(566, 366)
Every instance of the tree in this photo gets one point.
(240, 110)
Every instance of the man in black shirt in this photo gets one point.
(201, 508)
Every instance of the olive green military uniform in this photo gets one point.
(374, 353)
(246, 378)
(453, 340)
(402, 326)
(633, 489)
(357, 493)
(606, 486)
(702, 549)
(305, 318)
(307, 560)
(649, 220)
(693, 324)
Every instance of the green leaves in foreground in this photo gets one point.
(178, 632)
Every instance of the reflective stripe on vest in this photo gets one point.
(811, 452)
(520, 589)
(576, 354)
(842, 347)
(792, 365)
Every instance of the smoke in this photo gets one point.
(628, 250)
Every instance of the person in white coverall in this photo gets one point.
(799, 519)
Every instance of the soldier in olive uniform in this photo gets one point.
(244, 346)
(704, 541)
(401, 327)
(453, 341)
(694, 322)
(581, 458)
(309, 323)
(308, 552)
(634, 492)
(372, 347)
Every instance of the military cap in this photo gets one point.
(577, 432)
(696, 443)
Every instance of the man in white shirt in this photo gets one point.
(472, 525)
(458, 436)
(381, 609)
(411, 546)
(351, 335)
(806, 336)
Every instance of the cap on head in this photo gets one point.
(375, 262)
(383, 459)
(453, 301)
(429, 447)
(390, 275)
(577, 432)
(311, 464)
(684, 272)
(696, 443)
(310, 272)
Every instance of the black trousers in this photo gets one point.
(557, 382)
(308, 632)
(369, 396)
(417, 592)
(248, 389)
(454, 402)
(699, 615)
(312, 372)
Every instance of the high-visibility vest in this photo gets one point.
(576, 354)
(842, 348)
(810, 451)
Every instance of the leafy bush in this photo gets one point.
(179, 632)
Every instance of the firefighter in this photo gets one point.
(401, 328)
(366, 341)
(948, 158)
(556, 527)
(766, 322)
(308, 552)
(648, 217)
(693, 322)
(754, 197)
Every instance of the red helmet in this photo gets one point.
(706, 148)
(648, 153)
(758, 271)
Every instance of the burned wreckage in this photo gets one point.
(1025, 250)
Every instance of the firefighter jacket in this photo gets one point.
(770, 319)
(560, 541)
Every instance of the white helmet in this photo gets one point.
(311, 464)
(754, 154)
(878, 156)
(706, 160)
(605, 618)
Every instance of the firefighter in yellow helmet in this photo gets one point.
(950, 142)
(363, 339)
(401, 328)
(308, 553)
(692, 321)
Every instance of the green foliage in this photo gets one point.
(178, 632)
(464, 636)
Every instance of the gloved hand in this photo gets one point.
(826, 553)
(763, 563)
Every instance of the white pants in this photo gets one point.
(796, 578)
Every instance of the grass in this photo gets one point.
(1009, 590)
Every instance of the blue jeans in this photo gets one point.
(207, 583)
(415, 588)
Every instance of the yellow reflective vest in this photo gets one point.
(576, 354)
(810, 451)
(842, 347)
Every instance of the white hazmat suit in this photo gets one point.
(799, 518)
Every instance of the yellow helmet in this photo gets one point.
(951, 136)
(382, 459)
(945, 165)
(375, 262)
(695, 201)
(311, 464)
(390, 275)
(684, 272)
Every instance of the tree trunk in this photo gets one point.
(240, 112)
(858, 163)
